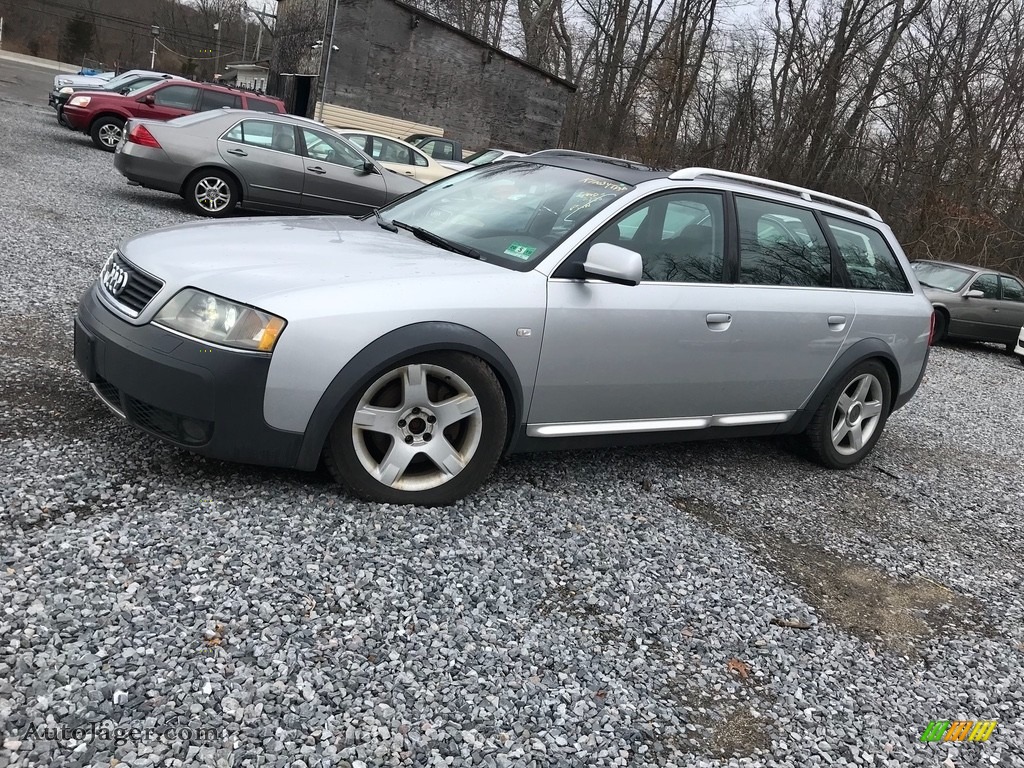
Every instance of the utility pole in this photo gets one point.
(1, 33)
(152, 54)
(216, 60)
(329, 44)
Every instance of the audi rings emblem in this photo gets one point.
(114, 277)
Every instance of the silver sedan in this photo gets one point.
(227, 158)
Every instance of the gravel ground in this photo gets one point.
(697, 605)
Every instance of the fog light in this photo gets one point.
(194, 430)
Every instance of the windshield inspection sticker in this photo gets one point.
(520, 251)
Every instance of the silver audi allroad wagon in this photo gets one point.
(555, 300)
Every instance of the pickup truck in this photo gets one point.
(438, 147)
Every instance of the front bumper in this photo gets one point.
(76, 117)
(200, 397)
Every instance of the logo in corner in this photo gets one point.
(958, 730)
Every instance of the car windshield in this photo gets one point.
(941, 276)
(483, 157)
(510, 214)
(117, 82)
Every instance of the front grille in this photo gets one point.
(135, 289)
(180, 429)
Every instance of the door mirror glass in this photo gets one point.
(614, 264)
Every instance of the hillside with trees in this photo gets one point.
(115, 34)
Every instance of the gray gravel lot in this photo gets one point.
(696, 605)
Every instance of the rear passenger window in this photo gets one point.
(219, 100)
(781, 245)
(870, 263)
(259, 105)
(1012, 290)
(265, 134)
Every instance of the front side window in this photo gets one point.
(265, 134)
(988, 285)
(330, 149)
(870, 263)
(1012, 289)
(781, 245)
(510, 214)
(679, 237)
(176, 96)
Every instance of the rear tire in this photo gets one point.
(211, 193)
(426, 431)
(106, 132)
(941, 327)
(851, 418)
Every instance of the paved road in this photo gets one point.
(25, 82)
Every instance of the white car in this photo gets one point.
(486, 156)
(1019, 349)
(399, 156)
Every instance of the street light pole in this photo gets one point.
(330, 47)
(152, 54)
(216, 60)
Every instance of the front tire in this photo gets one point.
(106, 132)
(211, 193)
(427, 431)
(851, 418)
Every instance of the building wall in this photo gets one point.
(396, 62)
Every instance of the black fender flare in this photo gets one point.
(389, 349)
(865, 349)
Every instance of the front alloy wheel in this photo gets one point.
(426, 432)
(850, 420)
(106, 133)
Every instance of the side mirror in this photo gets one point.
(148, 99)
(974, 293)
(125, 91)
(370, 168)
(614, 264)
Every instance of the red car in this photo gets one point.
(102, 115)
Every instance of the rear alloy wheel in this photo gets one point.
(427, 432)
(106, 133)
(851, 418)
(941, 327)
(211, 193)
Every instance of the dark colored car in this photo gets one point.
(973, 303)
(103, 115)
(125, 84)
(219, 160)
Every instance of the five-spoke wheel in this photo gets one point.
(427, 431)
(850, 420)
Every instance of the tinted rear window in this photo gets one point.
(259, 105)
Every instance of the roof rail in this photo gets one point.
(689, 174)
(592, 156)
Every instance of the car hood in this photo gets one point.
(937, 294)
(263, 261)
(60, 81)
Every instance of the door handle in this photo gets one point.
(718, 321)
(317, 169)
(239, 152)
(837, 322)
(409, 173)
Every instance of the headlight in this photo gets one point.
(80, 101)
(63, 81)
(211, 318)
(67, 89)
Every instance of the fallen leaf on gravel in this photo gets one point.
(791, 623)
(741, 668)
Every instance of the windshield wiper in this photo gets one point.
(383, 224)
(429, 237)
